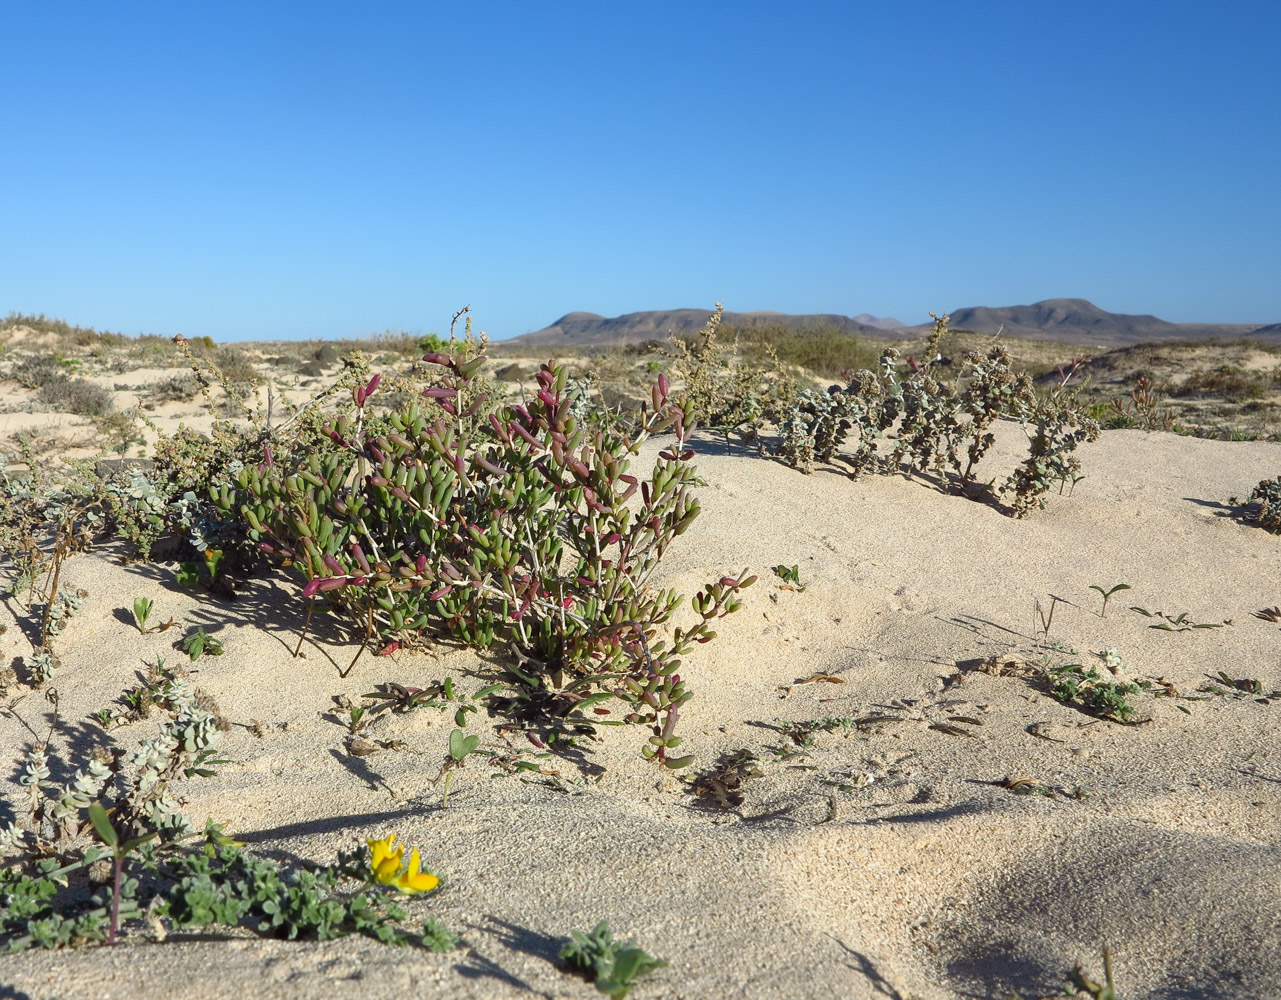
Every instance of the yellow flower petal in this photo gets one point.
(385, 859)
(415, 881)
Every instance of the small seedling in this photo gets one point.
(199, 643)
(791, 577)
(1103, 613)
(1023, 785)
(438, 938)
(403, 699)
(803, 741)
(1239, 687)
(612, 965)
(460, 745)
(438, 694)
(724, 782)
(142, 611)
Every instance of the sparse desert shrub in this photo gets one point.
(521, 528)
(76, 395)
(41, 323)
(236, 368)
(1227, 380)
(941, 427)
(175, 389)
(826, 351)
(312, 358)
(724, 394)
(1140, 410)
(38, 371)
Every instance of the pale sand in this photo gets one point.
(930, 882)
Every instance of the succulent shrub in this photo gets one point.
(517, 523)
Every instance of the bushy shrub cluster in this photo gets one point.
(879, 421)
(515, 523)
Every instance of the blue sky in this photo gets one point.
(320, 170)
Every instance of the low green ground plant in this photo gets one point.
(1106, 695)
(613, 966)
(199, 643)
(220, 885)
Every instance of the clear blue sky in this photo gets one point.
(274, 170)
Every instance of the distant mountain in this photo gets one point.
(1081, 321)
(1076, 321)
(584, 329)
(880, 322)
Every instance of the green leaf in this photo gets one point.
(188, 574)
(102, 824)
(460, 744)
(594, 699)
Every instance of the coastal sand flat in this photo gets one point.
(889, 863)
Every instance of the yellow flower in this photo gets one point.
(386, 863)
(415, 881)
(385, 858)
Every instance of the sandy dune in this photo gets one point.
(887, 863)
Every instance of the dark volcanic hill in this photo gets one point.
(1081, 321)
(584, 329)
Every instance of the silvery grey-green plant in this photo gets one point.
(880, 421)
(1264, 505)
